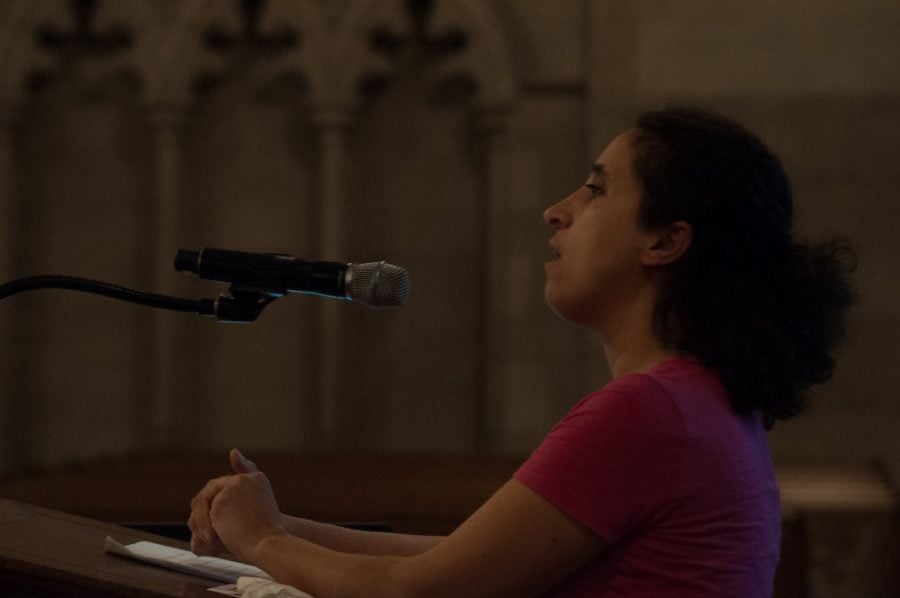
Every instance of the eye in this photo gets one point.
(595, 189)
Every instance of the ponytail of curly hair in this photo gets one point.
(761, 309)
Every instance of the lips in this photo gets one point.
(553, 252)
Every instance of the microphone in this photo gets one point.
(375, 284)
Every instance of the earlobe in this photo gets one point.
(671, 243)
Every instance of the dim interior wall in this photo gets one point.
(476, 362)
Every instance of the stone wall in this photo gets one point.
(430, 137)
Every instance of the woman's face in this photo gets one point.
(598, 242)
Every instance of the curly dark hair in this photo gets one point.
(761, 309)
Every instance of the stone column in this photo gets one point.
(331, 123)
(162, 421)
(499, 291)
(9, 118)
(14, 415)
(611, 64)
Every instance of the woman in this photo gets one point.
(678, 252)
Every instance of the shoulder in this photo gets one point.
(616, 457)
(652, 415)
(634, 417)
(653, 398)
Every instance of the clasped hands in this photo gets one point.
(235, 513)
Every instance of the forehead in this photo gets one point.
(615, 161)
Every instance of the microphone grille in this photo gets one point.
(377, 284)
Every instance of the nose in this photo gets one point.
(557, 216)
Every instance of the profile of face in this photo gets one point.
(602, 257)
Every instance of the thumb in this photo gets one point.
(240, 463)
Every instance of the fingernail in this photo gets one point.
(247, 462)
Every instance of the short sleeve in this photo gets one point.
(615, 459)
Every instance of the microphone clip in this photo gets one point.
(237, 307)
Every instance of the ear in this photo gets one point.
(669, 244)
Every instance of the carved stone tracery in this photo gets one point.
(165, 52)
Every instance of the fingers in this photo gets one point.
(243, 512)
(240, 463)
(204, 539)
(201, 547)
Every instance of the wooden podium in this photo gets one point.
(49, 553)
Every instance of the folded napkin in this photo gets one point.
(257, 587)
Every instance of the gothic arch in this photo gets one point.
(18, 56)
(486, 59)
(22, 56)
(148, 36)
(182, 56)
(489, 61)
(440, 41)
(310, 57)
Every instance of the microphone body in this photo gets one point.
(375, 284)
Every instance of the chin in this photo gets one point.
(548, 299)
(557, 305)
(574, 312)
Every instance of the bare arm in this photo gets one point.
(354, 541)
(517, 544)
(205, 541)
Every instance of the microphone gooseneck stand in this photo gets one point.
(240, 306)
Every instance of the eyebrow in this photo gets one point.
(597, 168)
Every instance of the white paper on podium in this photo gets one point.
(184, 560)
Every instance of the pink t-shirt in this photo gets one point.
(680, 488)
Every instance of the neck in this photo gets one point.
(635, 359)
(628, 339)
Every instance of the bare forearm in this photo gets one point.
(325, 572)
(354, 541)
